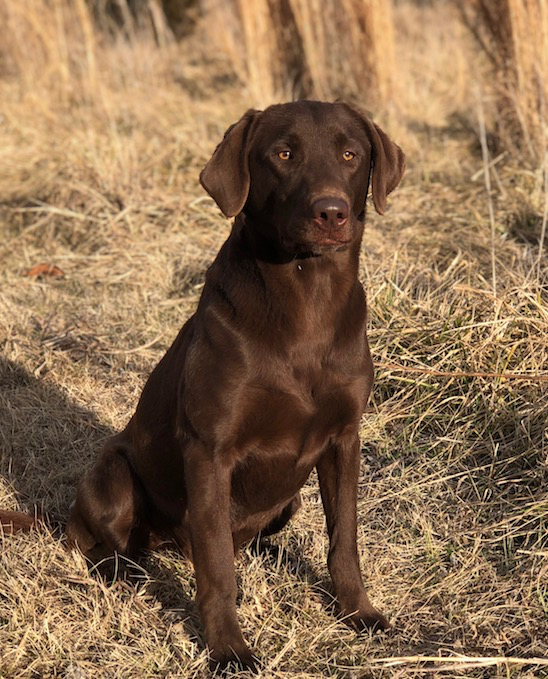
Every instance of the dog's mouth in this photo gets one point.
(331, 242)
(317, 243)
(317, 249)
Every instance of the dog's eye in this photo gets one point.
(349, 155)
(285, 155)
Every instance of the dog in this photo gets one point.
(270, 376)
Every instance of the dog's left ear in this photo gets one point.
(387, 160)
(226, 176)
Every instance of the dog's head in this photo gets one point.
(300, 173)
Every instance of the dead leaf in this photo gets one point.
(46, 270)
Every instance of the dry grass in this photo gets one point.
(100, 151)
(315, 48)
(514, 36)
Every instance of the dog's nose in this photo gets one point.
(330, 213)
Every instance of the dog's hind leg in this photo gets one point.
(108, 515)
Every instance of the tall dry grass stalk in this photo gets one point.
(514, 35)
(292, 48)
(70, 80)
(51, 45)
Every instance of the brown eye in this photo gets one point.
(285, 155)
(348, 155)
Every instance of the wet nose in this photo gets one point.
(330, 213)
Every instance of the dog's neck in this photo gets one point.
(304, 295)
(325, 279)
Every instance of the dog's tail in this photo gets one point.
(19, 522)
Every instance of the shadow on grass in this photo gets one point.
(46, 444)
(46, 440)
(297, 564)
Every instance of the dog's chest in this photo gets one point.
(282, 434)
(299, 414)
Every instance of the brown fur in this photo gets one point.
(268, 379)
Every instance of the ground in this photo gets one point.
(103, 184)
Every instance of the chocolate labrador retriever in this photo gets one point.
(268, 379)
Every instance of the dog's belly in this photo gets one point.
(260, 485)
(263, 485)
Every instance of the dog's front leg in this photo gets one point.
(338, 471)
(208, 488)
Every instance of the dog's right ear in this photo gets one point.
(226, 176)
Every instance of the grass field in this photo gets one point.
(99, 161)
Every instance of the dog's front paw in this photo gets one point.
(369, 618)
(230, 659)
